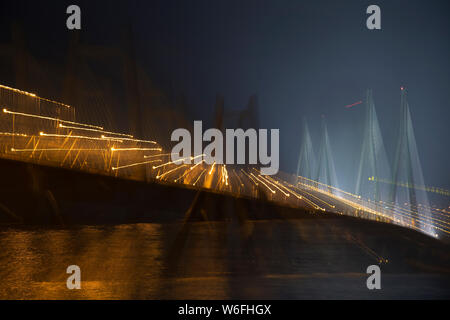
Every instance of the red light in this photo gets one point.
(353, 104)
(401, 88)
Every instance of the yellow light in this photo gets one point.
(32, 95)
(170, 171)
(204, 170)
(94, 130)
(134, 164)
(212, 168)
(273, 191)
(130, 139)
(74, 137)
(135, 149)
(49, 118)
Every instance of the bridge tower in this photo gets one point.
(244, 118)
(219, 109)
(326, 172)
(78, 56)
(407, 177)
(306, 159)
(17, 52)
(249, 118)
(373, 164)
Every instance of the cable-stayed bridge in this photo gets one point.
(394, 190)
(46, 132)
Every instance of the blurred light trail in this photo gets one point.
(212, 168)
(135, 149)
(13, 134)
(185, 173)
(95, 130)
(441, 191)
(130, 139)
(239, 179)
(271, 190)
(33, 95)
(266, 179)
(170, 171)
(193, 167)
(158, 155)
(201, 174)
(248, 176)
(53, 135)
(225, 174)
(135, 164)
(353, 104)
(55, 149)
(49, 118)
(178, 161)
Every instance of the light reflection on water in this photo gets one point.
(199, 260)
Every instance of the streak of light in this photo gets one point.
(353, 104)
(212, 168)
(394, 209)
(420, 217)
(226, 174)
(76, 137)
(130, 139)
(54, 149)
(193, 167)
(204, 170)
(170, 171)
(135, 149)
(95, 130)
(248, 176)
(158, 155)
(239, 179)
(328, 186)
(273, 184)
(186, 172)
(300, 197)
(271, 190)
(177, 161)
(362, 207)
(13, 134)
(441, 191)
(33, 95)
(315, 197)
(49, 118)
(135, 164)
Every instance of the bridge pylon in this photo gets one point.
(306, 160)
(407, 174)
(326, 172)
(373, 163)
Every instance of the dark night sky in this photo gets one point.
(302, 58)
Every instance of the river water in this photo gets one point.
(296, 259)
